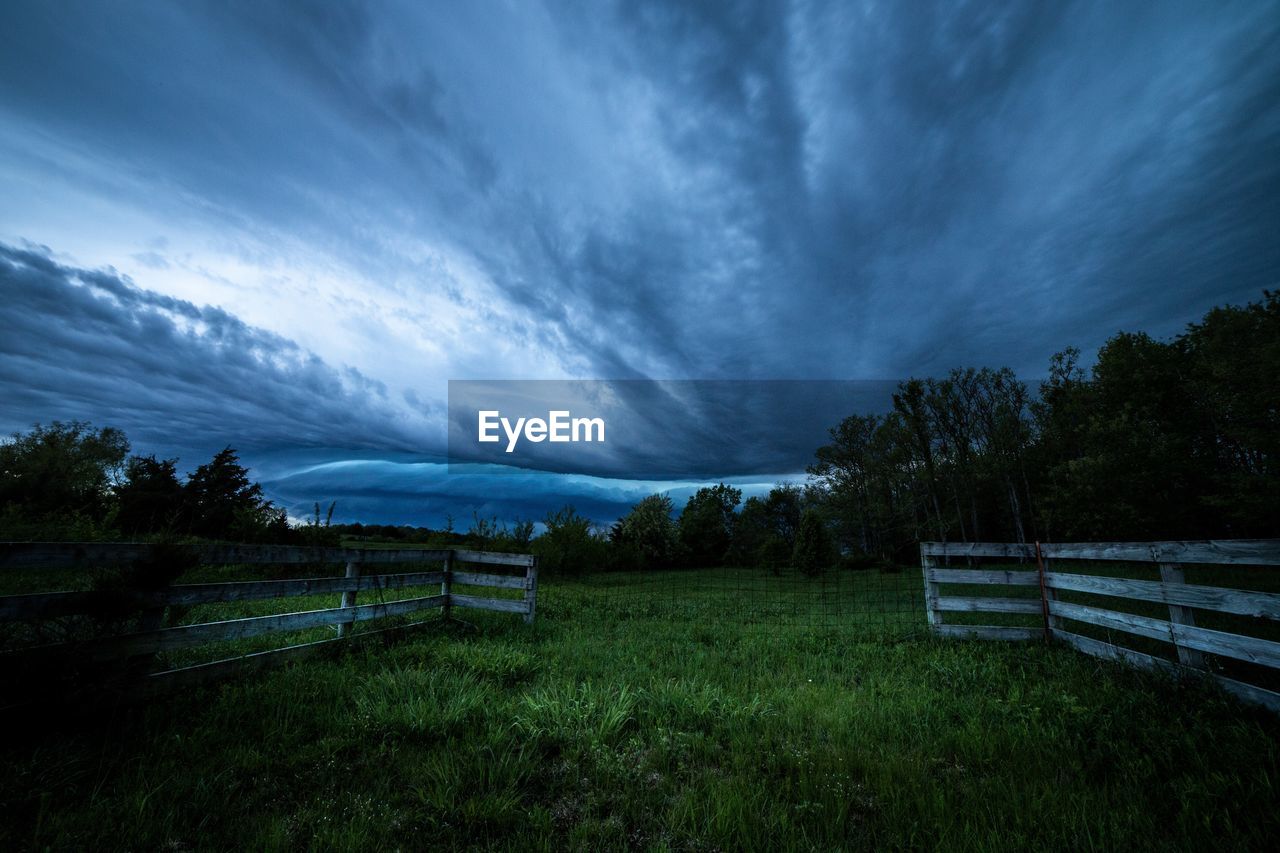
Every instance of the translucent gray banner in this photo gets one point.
(652, 429)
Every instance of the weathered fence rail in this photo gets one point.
(151, 601)
(1190, 643)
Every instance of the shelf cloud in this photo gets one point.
(286, 226)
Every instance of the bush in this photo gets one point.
(65, 471)
(221, 502)
(624, 557)
(150, 498)
(773, 554)
(706, 525)
(318, 531)
(489, 534)
(569, 545)
(648, 531)
(812, 552)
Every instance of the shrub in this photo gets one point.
(489, 534)
(569, 544)
(773, 554)
(150, 498)
(812, 552)
(62, 471)
(706, 524)
(648, 530)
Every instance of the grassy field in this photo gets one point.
(659, 725)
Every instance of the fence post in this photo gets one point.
(349, 598)
(446, 586)
(1050, 621)
(931, 611)
(1171, 573)
(530, 590)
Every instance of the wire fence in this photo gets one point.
(879, 601)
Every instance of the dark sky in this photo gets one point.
(285, 226)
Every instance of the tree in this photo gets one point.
(221, 502)
(1061, 414)
(64, 473)
(764, 531)
(648, 531)
(844, 470)
(569, 544)
(783, 507)
(911, 403)
(1145, 459)
(150, 497)
(706, 524)
(773, 554)
(1001, 407)
(812, 552)
(750, 529)
(951, 406)
(1233, 359)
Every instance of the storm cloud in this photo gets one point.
(318, 213)
(83, 344)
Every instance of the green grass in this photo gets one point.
(621, 720)
(869, 601)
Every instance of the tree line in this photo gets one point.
(1176, 439)
(70, 480)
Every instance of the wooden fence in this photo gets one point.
(363, 573)
(1192, 646)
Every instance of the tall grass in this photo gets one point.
(661, 731)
